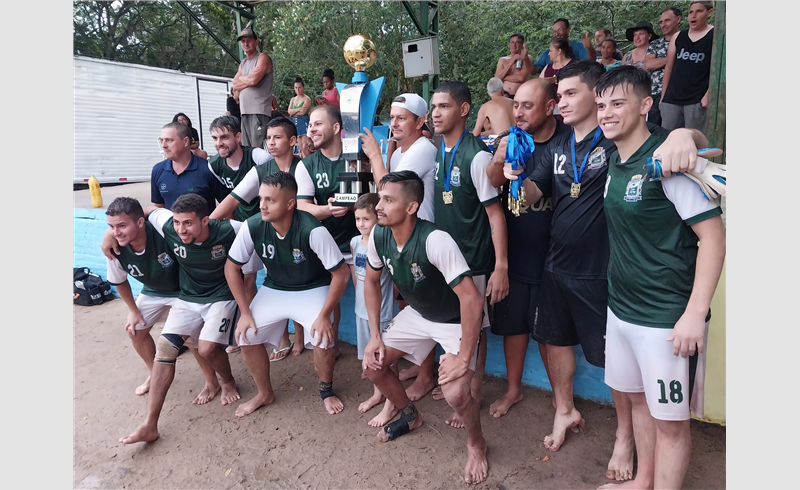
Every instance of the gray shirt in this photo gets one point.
(258, 98)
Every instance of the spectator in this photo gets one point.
(299, 106)
(641, 34)
(232, 104)
(498, 111)
(599, 36)
(687, 72)
(583, 49)
(330, 96)
(195, 145)
(560, 54)
(607, 49)
(254, 80)
(656, 58)
(515, 68)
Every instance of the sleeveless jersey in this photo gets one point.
(325, 174)
(155, 268)
(231, 178)
(692, 69)
(465, 219)
(422, 284)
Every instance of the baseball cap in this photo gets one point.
(247, 33)
(411, 102)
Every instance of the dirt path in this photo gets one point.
(294, 444)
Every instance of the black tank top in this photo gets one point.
(690, 73)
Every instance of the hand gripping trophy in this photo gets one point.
(358, 105)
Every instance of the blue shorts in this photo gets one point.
(301, 123)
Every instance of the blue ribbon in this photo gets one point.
(449, 171)
(575, 172)
(519, 148)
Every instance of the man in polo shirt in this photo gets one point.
(583, 49)
(182, 172)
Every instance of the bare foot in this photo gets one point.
(414, 424)
(437, 393)
(560, 425)
(254, 403)
(298, 348)
(232, 348)
(628, 485)
(229, 393)
(387, 414)
(419, 389)
(206, 394)
(367, 405)
(143, 388)
(143, 433)
(620, 467)
(409, 373)
(501, 406)
(333, 405)
(477, 468)
(454, 421)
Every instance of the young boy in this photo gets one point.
(660, 283)
(366, 219)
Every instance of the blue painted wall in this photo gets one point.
(90, 224)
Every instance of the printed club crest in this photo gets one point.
(455, 177)
(597, 158)
(217, 252)
(165, 260)
(633, 191)
(417, 272)
(298, 256)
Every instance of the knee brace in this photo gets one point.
(168, 347)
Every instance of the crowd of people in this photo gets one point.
(593, 253)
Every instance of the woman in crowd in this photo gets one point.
(561, 55)
(195, 147)
(298, 111)
(641, 35)
(330, 96)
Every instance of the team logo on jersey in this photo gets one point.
(417, 272)
(633, 191)
(455, 177)
(597, 158)
(217, 252)
(163, 187)
(165, 260)
(298, 256)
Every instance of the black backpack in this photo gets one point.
(89, 288)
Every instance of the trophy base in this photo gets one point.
(346, 199)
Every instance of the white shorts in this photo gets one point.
(151, 308)
(409, 332)
(212, 322)
(639, 359)
(480, 283)
(363, 335)
(272, 308)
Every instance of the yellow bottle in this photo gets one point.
(94, 190)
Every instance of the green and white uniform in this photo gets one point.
(246, 191)
(425, 270)
(317, 179)
(466, 219)
(650, 276)
(205, 308)
(298, 278)
(233, 176)
(155, 268)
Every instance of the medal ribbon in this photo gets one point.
(519, 148)
(449, 171)
(575, 172)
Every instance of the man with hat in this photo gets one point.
(641, 34)
(253, 81)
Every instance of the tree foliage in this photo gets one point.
(306, 37)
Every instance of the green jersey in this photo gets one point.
(154, 267)
(202, 265)
(246, 192)
(425, 271)
(232, 177)
(465, 218)
(301, 260)
(653, 247)
(317, 179)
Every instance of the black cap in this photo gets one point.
(247, 33)
(642, 24)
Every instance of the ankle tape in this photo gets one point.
(326, 389)
(409, 412)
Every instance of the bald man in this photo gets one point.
(528, 238)
(498, 111)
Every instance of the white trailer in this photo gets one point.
(121, 107)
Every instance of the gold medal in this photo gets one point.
(574, 190)
(447, 196)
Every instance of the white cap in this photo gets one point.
(411, 102)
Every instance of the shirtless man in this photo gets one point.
(498, 112)
(507, 70)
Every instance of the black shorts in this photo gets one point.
(572, 312)
(516, 313)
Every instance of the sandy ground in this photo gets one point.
(293, 443)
